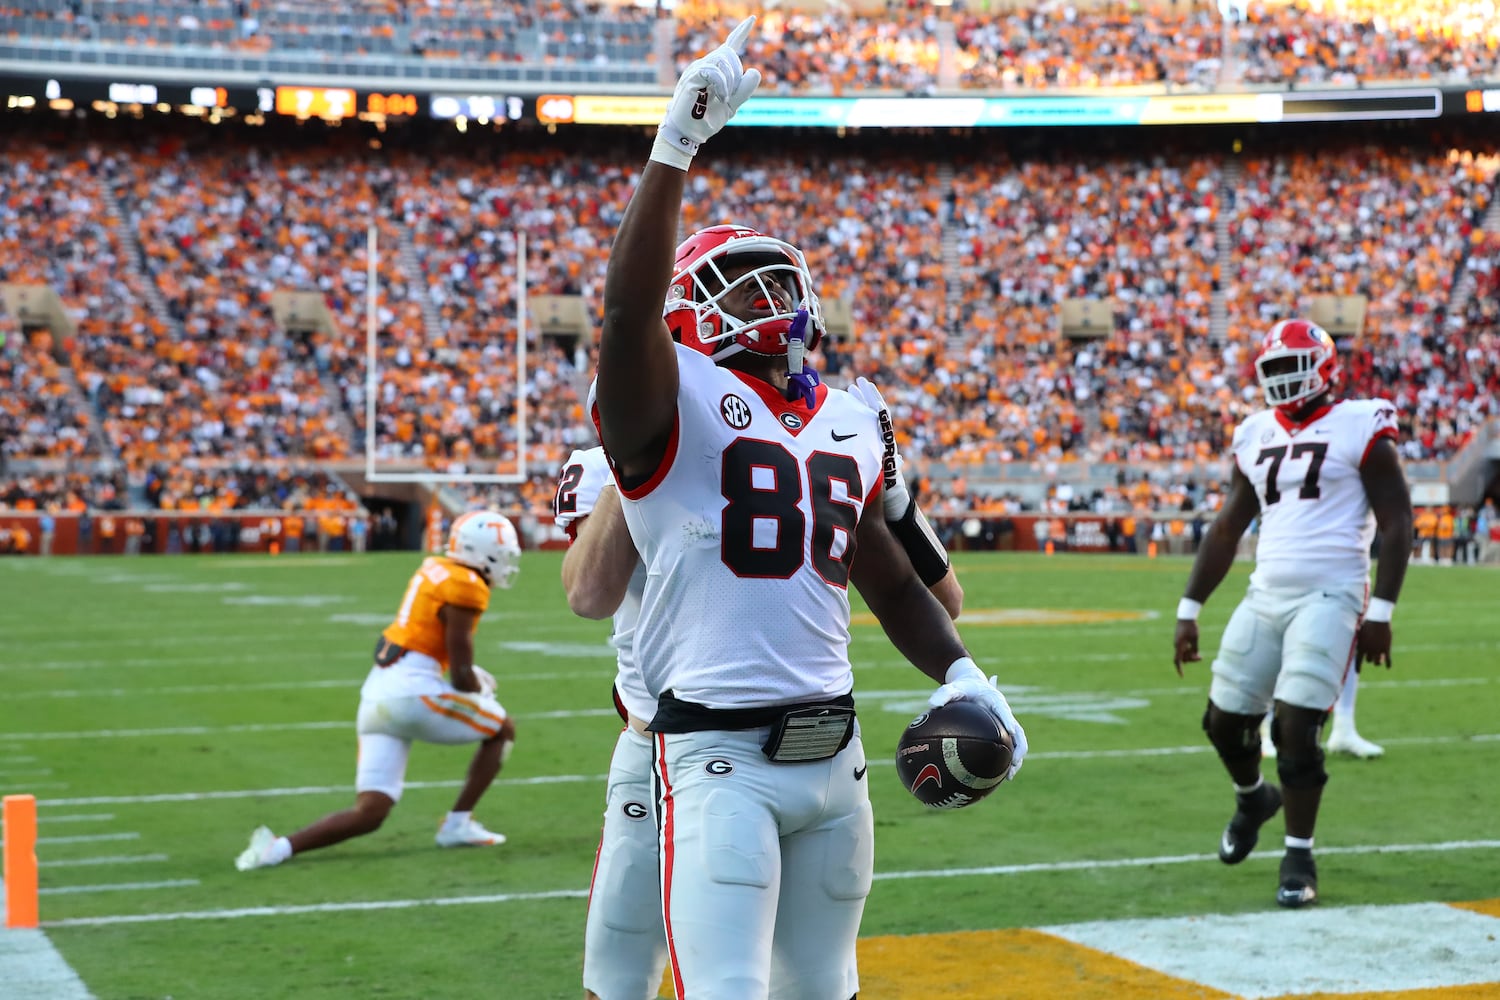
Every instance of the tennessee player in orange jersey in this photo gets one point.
(424, 686)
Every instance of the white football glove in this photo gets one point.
(966, 680)
(486, 680)
(708, 94)
(897, 496)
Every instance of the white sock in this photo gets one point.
(1303, 842)
(281, 849)
(1247, 789)
(1343, 709)
(455, 818)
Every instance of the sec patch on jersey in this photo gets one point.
(953, 756)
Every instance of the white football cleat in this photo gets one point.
(467, 834)
(1343, 740)
(258, 854)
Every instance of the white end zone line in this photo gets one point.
(520, 897)
(31, 967)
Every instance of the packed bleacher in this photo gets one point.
(197, 373)
(1344, 42)
(836, 48)
(70, 492)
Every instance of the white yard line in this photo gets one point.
(253, 727)
(1183, 688)
(344, 789)
(81, 818)
(260, 727)
(69, 890)
(90, 838)
(200, 662)
(12, 774)
(110, 859)
(280, 911)
(567, 779)
(1181, 859)
(519, 897)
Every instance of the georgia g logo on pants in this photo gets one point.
(719, 767)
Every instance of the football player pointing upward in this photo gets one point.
(745, 487)
(424, 686)
(1321, 474)
(625, 947)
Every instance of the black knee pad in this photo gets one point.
(1301, 770)
(1235, 737)
(1296, 730)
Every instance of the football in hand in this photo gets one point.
(953, 756)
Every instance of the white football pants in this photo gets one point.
(1290, 645)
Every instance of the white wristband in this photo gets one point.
(1187, 609)
(961, 668)
(673, 148)
(1379, 610)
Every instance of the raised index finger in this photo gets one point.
(740, 35)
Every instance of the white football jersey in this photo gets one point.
(747, 531)
(1316, 525)
(584, 476)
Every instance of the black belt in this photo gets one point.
(673, 715)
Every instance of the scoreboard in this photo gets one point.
(217, 98)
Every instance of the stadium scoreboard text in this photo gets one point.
(329, 103)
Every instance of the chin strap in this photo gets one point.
(802, 381)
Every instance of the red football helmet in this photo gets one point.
(1296, 362)
(694, 308)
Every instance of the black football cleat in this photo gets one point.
(1299, 879)
(1250, 814)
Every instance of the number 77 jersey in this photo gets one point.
(1316, 525)
(747, 531)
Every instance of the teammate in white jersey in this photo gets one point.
(1321, 474)
(625, 945)
(745, 486)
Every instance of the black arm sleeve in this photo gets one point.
(927, 555)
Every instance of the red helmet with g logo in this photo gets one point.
(695, 308)
(1296, 362)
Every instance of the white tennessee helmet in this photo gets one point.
(487, 543)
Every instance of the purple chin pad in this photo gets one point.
(803, 382)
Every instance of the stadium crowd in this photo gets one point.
(904, 46)
(944, 276)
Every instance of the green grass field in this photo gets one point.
(160, 708)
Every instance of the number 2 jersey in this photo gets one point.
(1316, 525)
(584, 476)
(747, 531)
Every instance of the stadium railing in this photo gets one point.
(187, 64)
(170, 532)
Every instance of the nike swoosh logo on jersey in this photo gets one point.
(843, 437)
(859, 772)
